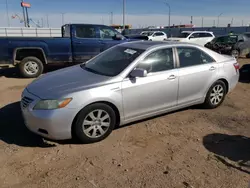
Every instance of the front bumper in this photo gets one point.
(52, 124)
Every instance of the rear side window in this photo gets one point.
(85, 31)
(160, 60)
(189, 56)
(205, 35)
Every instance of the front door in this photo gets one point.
(154, 93)
(85, 43)
(197, 72)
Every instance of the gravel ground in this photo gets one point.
(189, 148)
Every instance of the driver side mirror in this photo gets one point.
(138, 72)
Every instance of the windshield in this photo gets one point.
(183, 35)
(113, 61)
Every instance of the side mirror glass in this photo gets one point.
(138, 72)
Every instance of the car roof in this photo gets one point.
(146, 45)
(197, 32)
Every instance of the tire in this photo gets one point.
(213, 102)
(85, 133)
(31, 67)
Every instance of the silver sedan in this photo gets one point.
(126, 83)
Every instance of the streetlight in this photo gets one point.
(123, 15)
(218, 19)
(7, 12)
(169, 10)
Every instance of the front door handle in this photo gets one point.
(171, 77)
(212, 68)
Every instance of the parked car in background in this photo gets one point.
(196, 37)
(235, 45)
(247, 34)
(79, 43)
(155, 35)
(126, 83)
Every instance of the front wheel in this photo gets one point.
(215, 95)
(94, 123)
(31, 67)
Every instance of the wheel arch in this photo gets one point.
(112, 105)
(20, 53)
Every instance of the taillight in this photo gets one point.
(237, 67)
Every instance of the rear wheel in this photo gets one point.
(94, 123)
(31, 67)
(215, 95)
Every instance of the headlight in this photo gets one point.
(52, 104)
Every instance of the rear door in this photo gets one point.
(85, 42)
(197, 72)
(106, 37)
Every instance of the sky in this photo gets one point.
(139, 13)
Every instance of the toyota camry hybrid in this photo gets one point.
(126, 83)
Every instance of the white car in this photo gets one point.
(155, 35)
(196, 37)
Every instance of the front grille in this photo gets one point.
(26, 101)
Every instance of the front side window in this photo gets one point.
(189, 56)
(113, 61)
(195, 35)
(159, 34)
(107, 33)
(85, 31)
(160, 60)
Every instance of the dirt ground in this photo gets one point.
(189, 148)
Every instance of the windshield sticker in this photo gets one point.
(130, 51)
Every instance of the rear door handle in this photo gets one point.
(212, 68)
(171, 77)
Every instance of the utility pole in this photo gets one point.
(169, 13)
(214, 24)
(123, 14)
(63, 18)
(111, 18)
(232, 21)
(47, 16)
(24, 17)
(202, 22)
(7, 13)
(218, 19)
(191, 22)
(42, 22)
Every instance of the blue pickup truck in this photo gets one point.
(79, 43)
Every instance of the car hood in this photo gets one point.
(62, 82)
